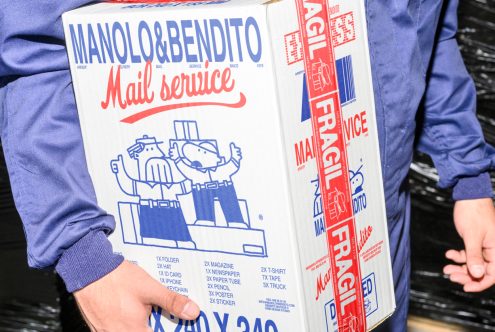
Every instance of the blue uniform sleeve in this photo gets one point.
(451, 133)
(43, 147)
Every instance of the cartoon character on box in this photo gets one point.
(157, 188)
(211, 177)
(176, 201)
(357, 181)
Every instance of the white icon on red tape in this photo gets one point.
(321, 75)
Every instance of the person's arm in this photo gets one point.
(453, 137)
(52, 189)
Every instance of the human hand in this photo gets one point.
(122, 300)
(475, 265)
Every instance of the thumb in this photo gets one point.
(474, 255)
(232, 146)
(174, 303)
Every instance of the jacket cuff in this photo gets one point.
(88, 260)
(473, 187)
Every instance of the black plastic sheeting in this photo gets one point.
(23, 316)
(432, 230)
(48, 308)
(28, 298)
(433, 233)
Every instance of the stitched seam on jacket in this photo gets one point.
(16, 180)
(443, 155)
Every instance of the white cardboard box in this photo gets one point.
(198, 138)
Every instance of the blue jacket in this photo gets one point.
(43, 148)
(415, 64)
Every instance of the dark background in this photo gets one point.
(36, 301)
(432, 230)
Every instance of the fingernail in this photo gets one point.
(190, 311)
(477, 270)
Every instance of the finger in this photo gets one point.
(474, 257)
(174, 303)
(451, 269)
(458, 256)
(479, 286)
(145, 328)
(490, 269)
(460, 278)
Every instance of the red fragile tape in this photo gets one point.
(331, 158)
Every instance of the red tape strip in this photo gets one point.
(331, 157)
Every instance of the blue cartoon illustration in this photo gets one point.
(357, 180)
(359, 199)
(185, 199)
(157, 188)
(211, 177)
